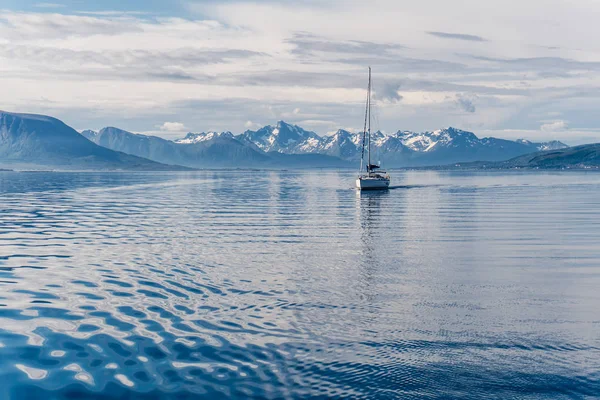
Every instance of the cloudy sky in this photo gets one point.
(501, 68)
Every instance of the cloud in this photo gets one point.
(44, 26)
(321, 125)
(172, 127)
(251, 125)
(543, 64)
(307, 44)
(227, 114)
(219, 64)
(457, 36)
(388, 92)
(384, 57)
(554, 126)
(111, 13)
(177, 64)
(49, 5)
(307, 78)
(466, 103)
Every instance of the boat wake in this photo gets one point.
(412, 186)
(399, 187)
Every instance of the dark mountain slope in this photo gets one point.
(37, 140)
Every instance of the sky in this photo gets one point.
(510, 69)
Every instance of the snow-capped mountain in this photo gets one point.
(402, 148)
(282, 138)
(276, 144)
(457, 138)
(342, 144)
(389, 149)
(443, 138)
(204, 150)
(451, 145)
(348, 145)
(203, 137)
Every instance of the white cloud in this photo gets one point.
(554, 126)
(172, 127)
(112, 13)
(252, 125)
(316, 122)
(49, 5)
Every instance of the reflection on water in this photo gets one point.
(372, 242)
(237, 284)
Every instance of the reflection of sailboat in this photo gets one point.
(372, 179)
(370, 209)
(370, 225)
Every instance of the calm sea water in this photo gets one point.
(285, 285)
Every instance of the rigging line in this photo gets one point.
(376, 124)
(369, 108)
(376, 112)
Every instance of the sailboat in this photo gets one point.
(372, 177)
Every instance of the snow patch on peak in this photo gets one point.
(380, 141)
(310, 145)
(417, 141)
(191, 138)
(431, 146)
(89, 134)
(523, 141)
(552, 145)
(427, 141)
(543, 146)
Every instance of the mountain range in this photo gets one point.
(206, 150)
(27, 139)
(270, 145)
(399, 149)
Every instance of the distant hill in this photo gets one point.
(585, 156)
(39, 141)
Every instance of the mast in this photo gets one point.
(369, 111)
(367, 107)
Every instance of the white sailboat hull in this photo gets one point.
(372, 183)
